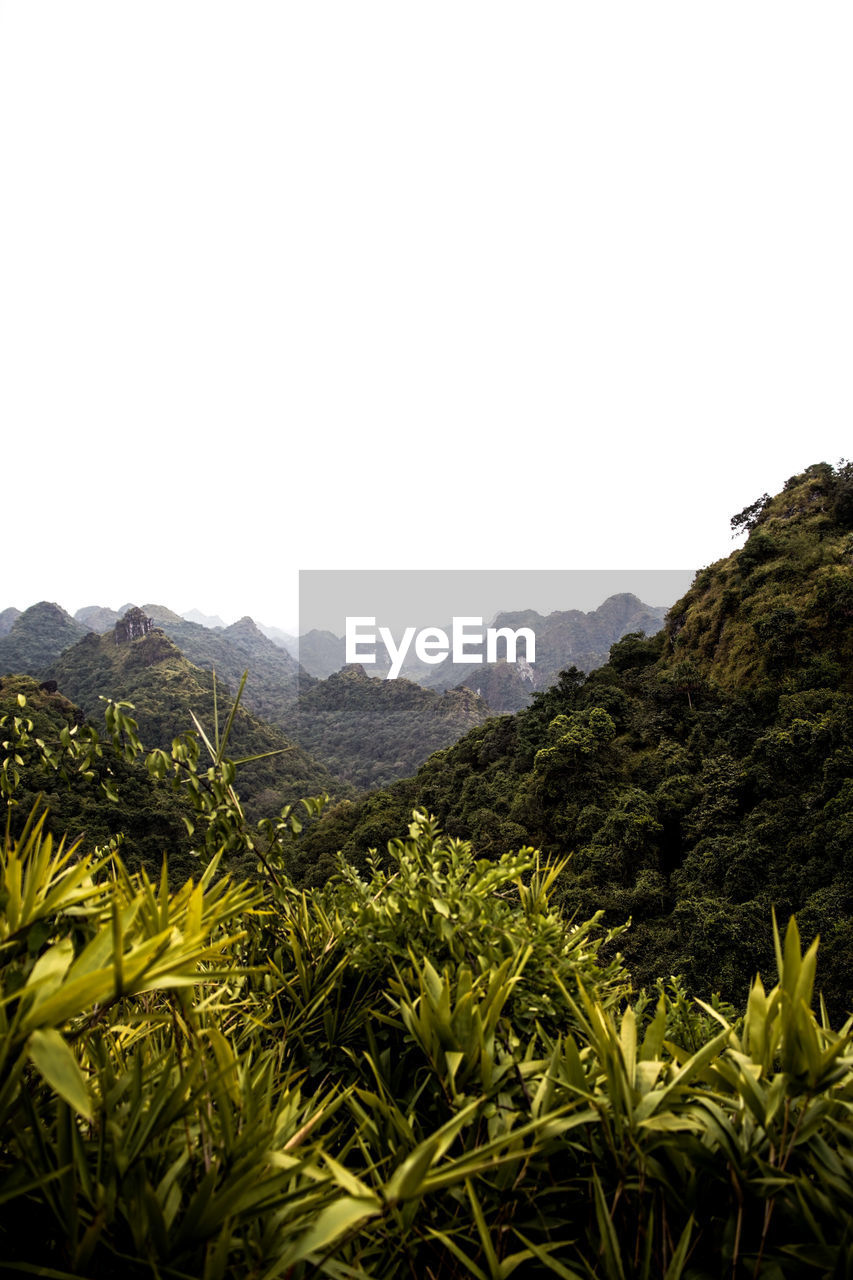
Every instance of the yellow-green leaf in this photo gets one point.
(51, 1056)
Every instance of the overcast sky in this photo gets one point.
(410, 285)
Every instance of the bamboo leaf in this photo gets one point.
(607, 1232)
(52, 1057)
(679, 1258)
(483, 1232)
(332, 1222)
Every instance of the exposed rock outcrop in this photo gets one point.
(133, 626)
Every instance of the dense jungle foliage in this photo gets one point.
(427, 1070)
(701, 777)
(370, 732)
(101, 796)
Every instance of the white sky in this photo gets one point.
(394, 285)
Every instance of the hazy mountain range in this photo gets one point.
(364, 730)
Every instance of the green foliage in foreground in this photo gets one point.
(427, 1072)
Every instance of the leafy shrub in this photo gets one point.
(427, 1070)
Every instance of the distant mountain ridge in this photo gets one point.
(563, 639)
(97, 618)
(7, 617)
(283, 639)
(360, 726)
(138, 662)
(203, 619)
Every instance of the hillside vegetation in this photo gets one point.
(76, 802)
(699, 778)
(372, 731)
(429, 1070)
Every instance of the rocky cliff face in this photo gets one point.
(132, 626)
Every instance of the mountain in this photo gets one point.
(700, 779)
(139, 663)
(370, 735)
(321, 652)
(364, 730)
(563, 639)
(36, 637)
(7, 617)
(372, 731)
(283, 639)
(98, 618)
(275, 678)
(781, 607)
(203, 619)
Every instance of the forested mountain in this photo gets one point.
(321, 653)
(274, 676)
(369, 735)
(699, 778)
(563, 638)
(780, 610)
(363, 730)
(39, 635)
(372, 731)
(139, 663)
(36, 637)
(274, 679)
